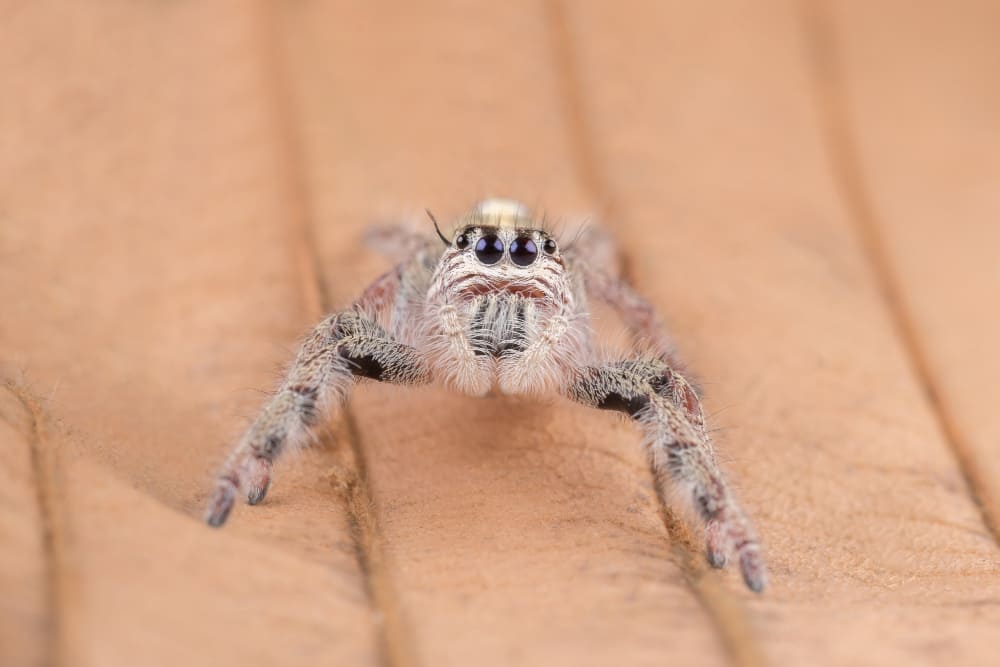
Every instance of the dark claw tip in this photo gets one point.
(717, 559)
(216, 518)
(756, 584)
(754, 572)
(257, 494)
(219, 506)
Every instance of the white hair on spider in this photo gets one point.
(501, 307)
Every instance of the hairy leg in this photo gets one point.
(667, 412)
(638, 314)
(381, 295)
(340, 349)
(595, 248)
(398, 242)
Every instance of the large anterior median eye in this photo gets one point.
(489, 249)
(523, 251)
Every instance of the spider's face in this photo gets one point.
(498, 248)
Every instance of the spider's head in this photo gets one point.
(499, 247)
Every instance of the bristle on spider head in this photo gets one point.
(436, 228)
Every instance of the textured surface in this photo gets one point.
(807, 191)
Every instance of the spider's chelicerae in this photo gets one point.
(500, 306)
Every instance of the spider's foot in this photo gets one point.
(257, 493)
(752, 567)
(716, 549)
(259, 479)
(725, 537)
(221, 502)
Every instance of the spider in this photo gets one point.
(500, 307)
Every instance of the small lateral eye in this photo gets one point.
(549, 246)
(489, 249)
(462, 242)
(523, 251)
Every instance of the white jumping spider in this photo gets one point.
(500, 306)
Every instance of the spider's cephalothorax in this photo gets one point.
(500, 305)
(501, 309)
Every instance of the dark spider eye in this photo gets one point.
(549, 246)
(462, 242)
(523, 251)
(489, 249)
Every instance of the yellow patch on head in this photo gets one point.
(503, 212)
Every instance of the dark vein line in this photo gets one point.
(846, 163)
(394, 645)
(725, 612)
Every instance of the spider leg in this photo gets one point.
(397, 242)
(596, 256)
(381, 295)
(638, 314)
(668, 413)
(339, 350)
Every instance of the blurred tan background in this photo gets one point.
(808, 191)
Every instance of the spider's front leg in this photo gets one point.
(669, 414)
(339, 350)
